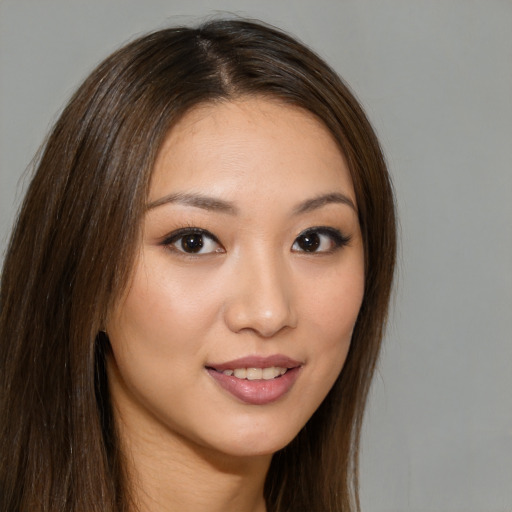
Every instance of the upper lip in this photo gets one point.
(278, 360)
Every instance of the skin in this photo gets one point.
(253, 290)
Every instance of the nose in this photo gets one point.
(261, 297)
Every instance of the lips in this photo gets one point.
(256, 380)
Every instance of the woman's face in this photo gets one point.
(247, 285)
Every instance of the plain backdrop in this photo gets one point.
(436, 80)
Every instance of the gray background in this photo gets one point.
(435, 78)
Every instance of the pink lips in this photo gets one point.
(256, 392)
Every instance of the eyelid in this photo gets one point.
(338, 237)
(173, 237)
(177, 233)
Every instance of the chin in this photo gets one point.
(255, 443)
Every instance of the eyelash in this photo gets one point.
(181, 233)
(337, 238)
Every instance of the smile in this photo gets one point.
(257, 373)
(256, 380)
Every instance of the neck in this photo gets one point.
(167, 472)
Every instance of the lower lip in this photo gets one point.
(257, 392)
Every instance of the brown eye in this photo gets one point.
(309, 242)
(320, 240)
(192, 243)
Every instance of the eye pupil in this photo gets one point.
(192, 242)
(309, 242)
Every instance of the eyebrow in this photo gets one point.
(215, 204)
(322, 200)
(197, 200)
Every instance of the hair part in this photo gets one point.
(73, 247)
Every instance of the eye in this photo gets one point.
(193, 241)
(320, 240)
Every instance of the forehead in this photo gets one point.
(254, 145)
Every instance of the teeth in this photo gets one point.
(256, 373)
(271, 373)
(241, 373)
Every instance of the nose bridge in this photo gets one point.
(262, 293)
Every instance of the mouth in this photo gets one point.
(256, 380)
(256, 367)
(268, 373)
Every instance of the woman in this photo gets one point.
(195, 291)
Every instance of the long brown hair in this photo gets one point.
(73, 246)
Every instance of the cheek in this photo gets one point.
(161, 307)
(155, 334)
(333, 309)
(334, 302)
